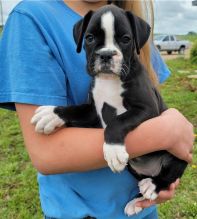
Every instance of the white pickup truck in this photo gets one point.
(170, 44)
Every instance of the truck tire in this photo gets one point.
(182, 50)
(169, 52)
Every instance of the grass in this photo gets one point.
(181, 92)
(18, 186)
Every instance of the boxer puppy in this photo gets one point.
(121, 98)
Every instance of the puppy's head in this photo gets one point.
(111, 37)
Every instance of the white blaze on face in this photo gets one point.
(107, 24)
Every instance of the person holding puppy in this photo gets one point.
(43, 68)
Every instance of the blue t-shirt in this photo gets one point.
(39, 65)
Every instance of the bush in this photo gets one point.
(193, 54)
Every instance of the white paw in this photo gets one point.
(131, 209)
(147, 189)
(45, 120)
(116, 156)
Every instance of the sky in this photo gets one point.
(171, 16)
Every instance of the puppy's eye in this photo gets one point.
(125, 39)
(89, 38)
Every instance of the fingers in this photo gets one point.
(182, 141)
(177, 183)
(145, 203)
(166, 195)
(189, 158)
(163, 196)
(174, 185)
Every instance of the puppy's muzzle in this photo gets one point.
(105, 60)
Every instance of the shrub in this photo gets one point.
(193, 54)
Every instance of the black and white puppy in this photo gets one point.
(121, 98)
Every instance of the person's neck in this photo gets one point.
(82, 7)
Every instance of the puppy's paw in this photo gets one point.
(116, 156)
(147, 189)
(45, 120)
(131, 209)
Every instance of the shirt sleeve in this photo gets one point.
(159, 65)
(29, 71)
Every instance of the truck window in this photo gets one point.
(172, 38)
(166, 38)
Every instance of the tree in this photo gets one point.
(192, 33)
(194, 3)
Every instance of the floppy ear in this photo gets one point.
(141, 30)
(79, 30)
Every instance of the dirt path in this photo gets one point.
(175, 55)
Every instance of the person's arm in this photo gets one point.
(171, 131)
(81, 149)
(67, 150)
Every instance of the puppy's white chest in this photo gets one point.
(108, 90)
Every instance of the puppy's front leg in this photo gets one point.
(114, 149)
(47, 118)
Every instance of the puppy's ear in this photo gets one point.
(141, 30)
(79, 30)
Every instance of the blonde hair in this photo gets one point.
(143, 9)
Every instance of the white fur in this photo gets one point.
(97, 65)
(107, 24)
(131, 209)
(108, 89)
(147, 189)
(151, 167)
(45, 120)
(116, 156)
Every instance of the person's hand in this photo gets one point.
(181, 139)
(163, 196)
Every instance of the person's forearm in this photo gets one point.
(73, 150)
(152, 135)
(81, 149)
(67, 150)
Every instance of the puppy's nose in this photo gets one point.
(106, 56)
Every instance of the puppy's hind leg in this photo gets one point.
(148, 189)
(170, 172)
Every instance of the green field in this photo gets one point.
(181, 92)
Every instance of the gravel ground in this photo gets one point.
(175, 55)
